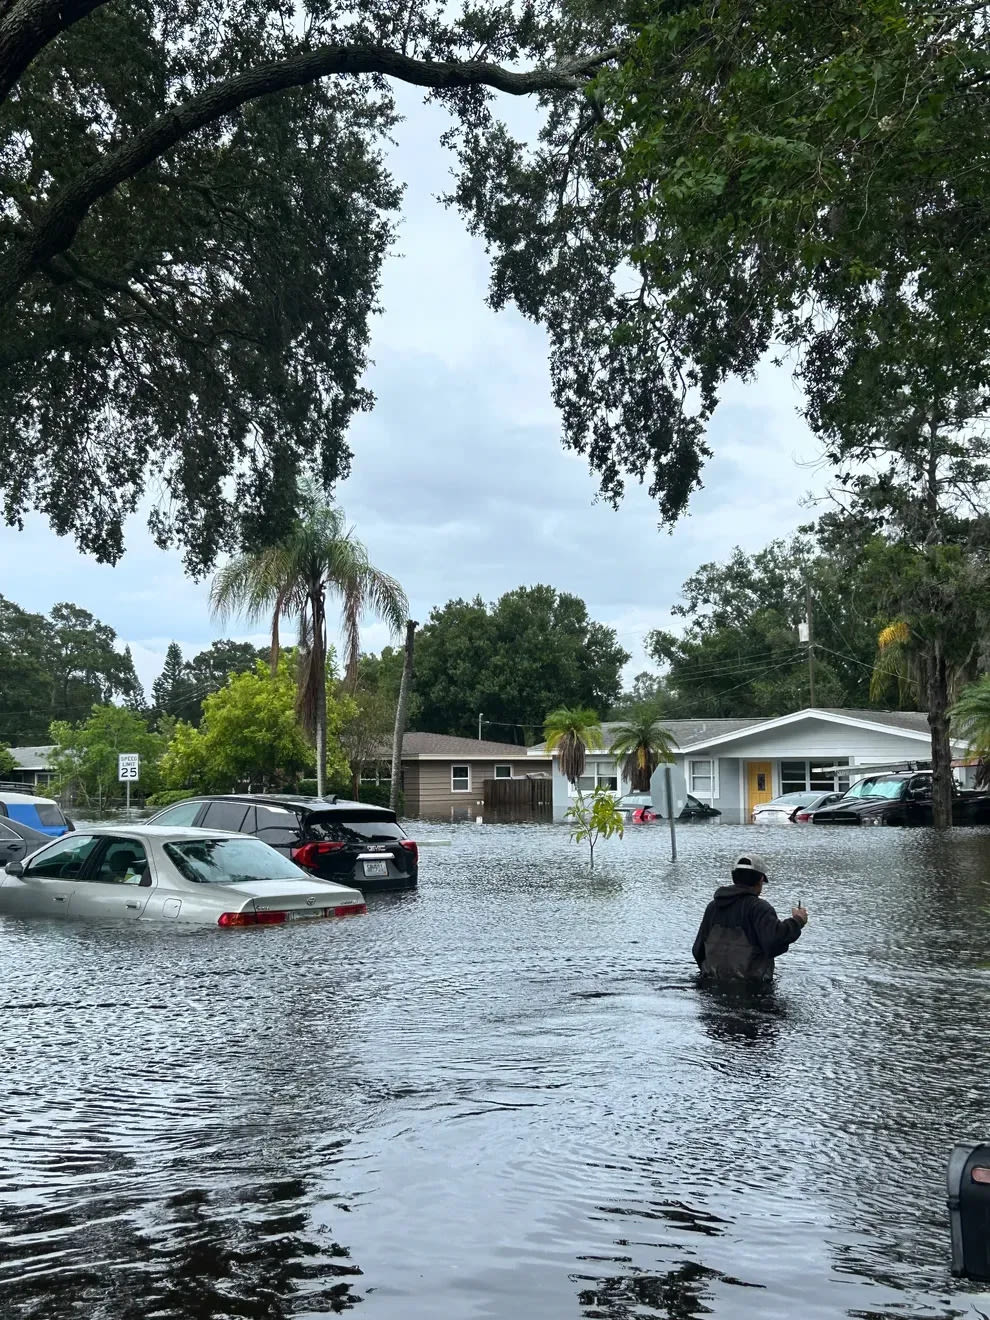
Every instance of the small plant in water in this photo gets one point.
(595, 818)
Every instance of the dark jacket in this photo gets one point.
(740, 935)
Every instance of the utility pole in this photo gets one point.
(401, 711)
(480, 713)
(811, 644)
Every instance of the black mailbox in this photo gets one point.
(969, 1209)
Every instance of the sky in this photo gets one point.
(460, 485)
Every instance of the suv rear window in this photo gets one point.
(355, 827)
(225, 816)
(277, 826)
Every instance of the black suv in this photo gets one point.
(901, 799)
(349, 842)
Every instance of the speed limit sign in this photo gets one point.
(128, 766)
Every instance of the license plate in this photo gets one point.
(375, 868)
(308, 914)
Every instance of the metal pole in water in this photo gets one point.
(128, 785)
(670, 813)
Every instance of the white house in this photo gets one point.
(733, 764)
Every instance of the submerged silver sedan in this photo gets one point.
(158, 873)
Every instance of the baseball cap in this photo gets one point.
(750, 862)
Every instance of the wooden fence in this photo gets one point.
(520, 798)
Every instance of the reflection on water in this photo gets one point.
(506, 1096)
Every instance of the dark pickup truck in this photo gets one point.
(901, 799)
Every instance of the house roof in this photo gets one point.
(687, 734)
(32, 758)
(914, 721)
(683, 732)
(442, 745)
(911, 724)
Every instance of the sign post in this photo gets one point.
(128, 771)
(670, 813)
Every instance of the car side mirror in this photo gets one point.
(15, 868)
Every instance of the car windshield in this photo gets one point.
(355, 827)
(878, 788)
(230, 861)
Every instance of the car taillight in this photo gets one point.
(353, 910)
(307, 853)
(252, 918)
(411, 846)
(802, 815)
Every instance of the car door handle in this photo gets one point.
(133, 905)
(58, 898)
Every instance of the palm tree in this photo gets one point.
(318, 556)
(645, 743)
(971, 721)
(572, 732)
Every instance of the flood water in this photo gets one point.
(506, 1096)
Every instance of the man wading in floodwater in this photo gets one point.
(740, 933)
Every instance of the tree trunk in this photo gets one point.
(356, 784)
(401, 713)
(320, 667)
(938, 722)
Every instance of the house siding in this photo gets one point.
(729, 789)
(428, 792)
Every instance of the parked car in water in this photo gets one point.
(695, 809)
(638, 809)
(41, 814)
(901, 799)
(17, 840)
(791, 808)
(160, 874)
(350, 842)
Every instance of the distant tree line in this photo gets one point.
(508, 662)
(56, 667)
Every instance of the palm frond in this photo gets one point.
(247, 585)
(895, 665)
(644, 743)
(895, 634)
(571, 733)
(970, 718)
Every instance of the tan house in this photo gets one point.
(443, 776)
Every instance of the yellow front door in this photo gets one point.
(759, 784)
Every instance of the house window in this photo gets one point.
(793, 776)
(503, 772)
(460, 779)
(701, 778)
(814, 776)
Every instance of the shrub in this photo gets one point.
(373, 795)
(167, 797)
